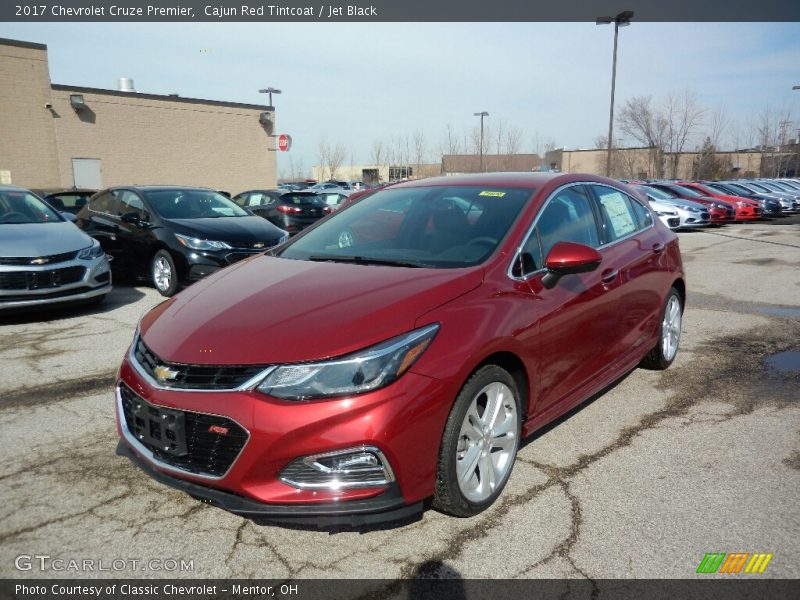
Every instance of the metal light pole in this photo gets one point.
(623, 19)
(270, 91)
(481, 115)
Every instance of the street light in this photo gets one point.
(270, 91)
(623, 19)
(481, 115)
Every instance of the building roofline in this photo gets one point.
(170, 98)
(22, 44)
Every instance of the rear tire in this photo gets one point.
(480, 443)
(666, 349)
(164, 274)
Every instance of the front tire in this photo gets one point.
(665, 350)
(164, 273)
(480, 443)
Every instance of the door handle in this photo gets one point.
(658, 248)
(609, 275)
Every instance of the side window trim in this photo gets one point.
(518, 252)
(605, 239)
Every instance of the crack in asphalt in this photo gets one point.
(716, 372)
(58, 391)
(691, 386)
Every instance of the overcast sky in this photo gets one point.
(353, 83)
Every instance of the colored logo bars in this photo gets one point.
(733, 563)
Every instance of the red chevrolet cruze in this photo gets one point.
(401, 348)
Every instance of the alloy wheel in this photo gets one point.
(671, 328)
(162, 273)
(487, 442)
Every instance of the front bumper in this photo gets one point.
(389, 507)
(75, 280)
(404, 421)
(202, 264)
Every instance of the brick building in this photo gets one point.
(60, 136)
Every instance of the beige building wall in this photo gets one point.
(28, 154)
(139, 138)
(355, 172)
(145, 139)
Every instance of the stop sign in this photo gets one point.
(284, 142)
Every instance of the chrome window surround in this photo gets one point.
(150, 457)
(518, 251)
(309, 460)
(246, 386)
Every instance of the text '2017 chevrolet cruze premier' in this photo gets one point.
(400, 349)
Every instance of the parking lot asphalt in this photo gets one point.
(642, 480)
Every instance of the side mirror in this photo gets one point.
(568, 258)
(132, 218)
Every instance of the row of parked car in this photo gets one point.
(687, 204)
(172, 235)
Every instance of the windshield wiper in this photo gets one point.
(365, 260)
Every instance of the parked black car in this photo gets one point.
(69, 201)
(292, 211)
(173, 234)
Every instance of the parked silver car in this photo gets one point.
(44, 258)
(691, 214)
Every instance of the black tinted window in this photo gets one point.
(105, 203)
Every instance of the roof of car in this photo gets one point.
(156, 188)
(13, 188)
(511, 180)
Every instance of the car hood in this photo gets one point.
(686, 203)
(237, 231)
(41, 239)
(271, 310)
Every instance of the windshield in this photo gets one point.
(443, 227)
(761, 187)
(192, 204)
(687, 191)
(658, 193)
(18, 207)
(312, 199)
(739, 188)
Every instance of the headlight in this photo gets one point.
(198, 244)
(356, 373)
(92, 252)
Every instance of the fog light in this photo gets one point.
(360, 467)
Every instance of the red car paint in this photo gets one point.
(572, 340)
(715, 214)
(746, 209)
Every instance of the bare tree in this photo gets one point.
(324, 151)
(419, 149)
(641, 121)
(335, 158)
(720, 123)
(513, 140)
(450, 143)
(377, 153)
(683, 116)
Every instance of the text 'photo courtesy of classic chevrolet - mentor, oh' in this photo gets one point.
(399, 350)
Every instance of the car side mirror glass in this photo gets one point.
(568, 258)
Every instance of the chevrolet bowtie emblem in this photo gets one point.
(40, 261)
(258, 245)
(164, 374)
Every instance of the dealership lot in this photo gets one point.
(640, 482)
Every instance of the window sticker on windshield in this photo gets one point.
(492, 194)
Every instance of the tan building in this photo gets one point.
(458, 164)
(60, 136)
(377, 173)
(641, 163)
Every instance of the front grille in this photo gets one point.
(194, 377)
(40, 260)
(35, 280)
(195, 442)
